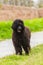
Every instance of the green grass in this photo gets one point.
(6, 31)
(34, 58)
(35, 24)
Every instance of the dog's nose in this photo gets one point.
(19, 27)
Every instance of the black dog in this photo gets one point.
(21, 37)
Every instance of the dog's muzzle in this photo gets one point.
(19, 29)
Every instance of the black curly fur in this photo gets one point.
(22, 39)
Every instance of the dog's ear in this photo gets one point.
(13, 26)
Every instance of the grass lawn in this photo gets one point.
(6, 31)
(35, 58)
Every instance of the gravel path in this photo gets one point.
(6, 47)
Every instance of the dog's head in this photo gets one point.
(18, 26)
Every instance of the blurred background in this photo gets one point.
(32, 3)
(22, 9)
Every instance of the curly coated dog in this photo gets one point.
(21, 37)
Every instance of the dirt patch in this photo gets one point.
(13, 12)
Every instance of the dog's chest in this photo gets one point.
(20, 38)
